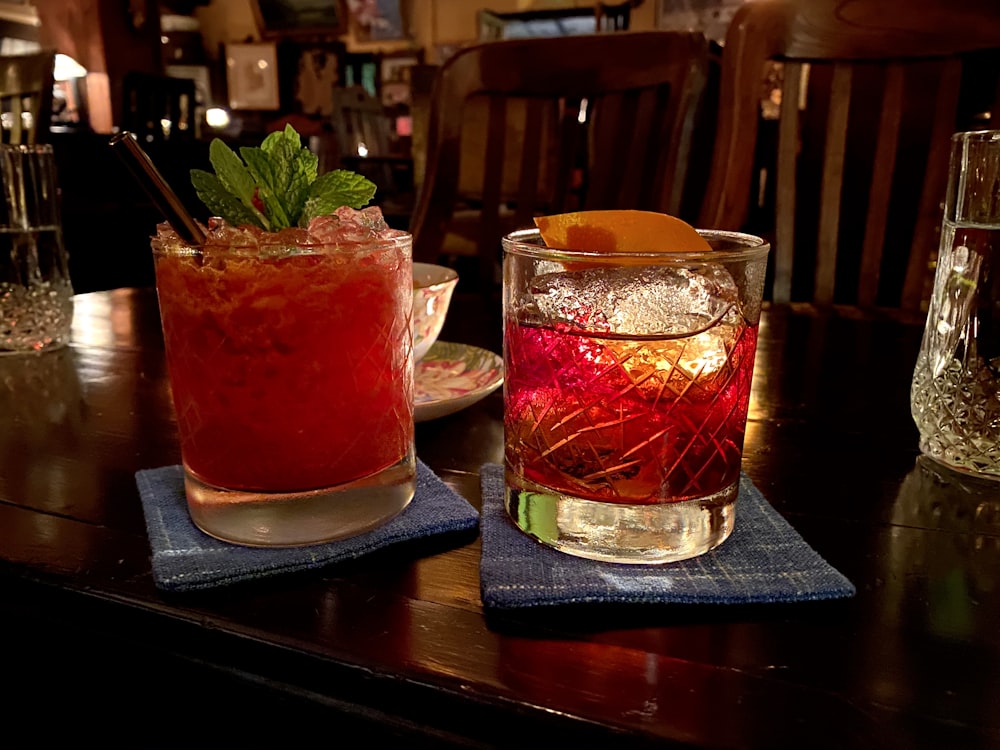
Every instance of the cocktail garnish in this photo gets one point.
(275, 186)
(620, 231)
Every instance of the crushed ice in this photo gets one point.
(345, 227)
(643, 301)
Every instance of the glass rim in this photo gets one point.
(975, 135)
(524, 242)
(449, 276)
(178, 246)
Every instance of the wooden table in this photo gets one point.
(399, 650)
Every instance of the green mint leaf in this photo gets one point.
(221, 202)
(267, 174)
(334, 189)
(275, 186)
(296, 168)
(232, 173)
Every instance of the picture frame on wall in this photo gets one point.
(395, 76)
(252, 76)
(380, 20)
(202, 77)
(300, 18)
(310, 71)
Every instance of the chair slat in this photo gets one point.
(610, 115)
(886, 145)
(832, 181)
(788, 145)
(16, 120)
(531, 158)
(633, 182)
(569, 141)
(927, 230)
(681, 101)
(492, 183)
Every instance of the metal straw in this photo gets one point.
(147, 175)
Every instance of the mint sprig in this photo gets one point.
(275, 186)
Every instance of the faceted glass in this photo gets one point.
(627, 383)
(291, 372)
(36, 297)
(955, 394)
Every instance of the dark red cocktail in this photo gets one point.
(291, 374)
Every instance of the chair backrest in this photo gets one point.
(159, 108)
(360, 121)
(26, 83)
(556, 124)
(870, 96)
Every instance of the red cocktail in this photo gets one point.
(291, 374)
(619, 420)
(627, 385)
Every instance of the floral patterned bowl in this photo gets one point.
(432, 289)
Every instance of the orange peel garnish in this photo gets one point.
(620, 231)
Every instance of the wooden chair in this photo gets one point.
(869, 99)
(359, 123)
(364, 133)
(26, 83)
(531, 126)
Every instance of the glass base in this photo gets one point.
(976, 471)
(614, 532)
(38, 348)
(292, 519)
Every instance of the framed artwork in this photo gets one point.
(380, 20)
(312, 73)
(252, 76)
(314, 18)
(395, 73)
(202, 78)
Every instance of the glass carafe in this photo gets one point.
(955, 396)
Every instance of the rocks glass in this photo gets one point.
(291, 372)
(955, 394)
(36, 297)
(627, 383)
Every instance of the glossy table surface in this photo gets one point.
(397, 647)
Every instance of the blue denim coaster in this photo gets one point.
(187, 559)
(763, 561)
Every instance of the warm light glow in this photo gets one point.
(262, 64)
(217, 117)
(67, 68)
(362, 149)
(582, 116)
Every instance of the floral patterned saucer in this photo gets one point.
(451, 377)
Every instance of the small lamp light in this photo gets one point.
(67, 68)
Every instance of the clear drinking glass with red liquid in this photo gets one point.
(627, 384)
(290, 364)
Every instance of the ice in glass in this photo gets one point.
(627, 384)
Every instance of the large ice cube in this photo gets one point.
(640, 300)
